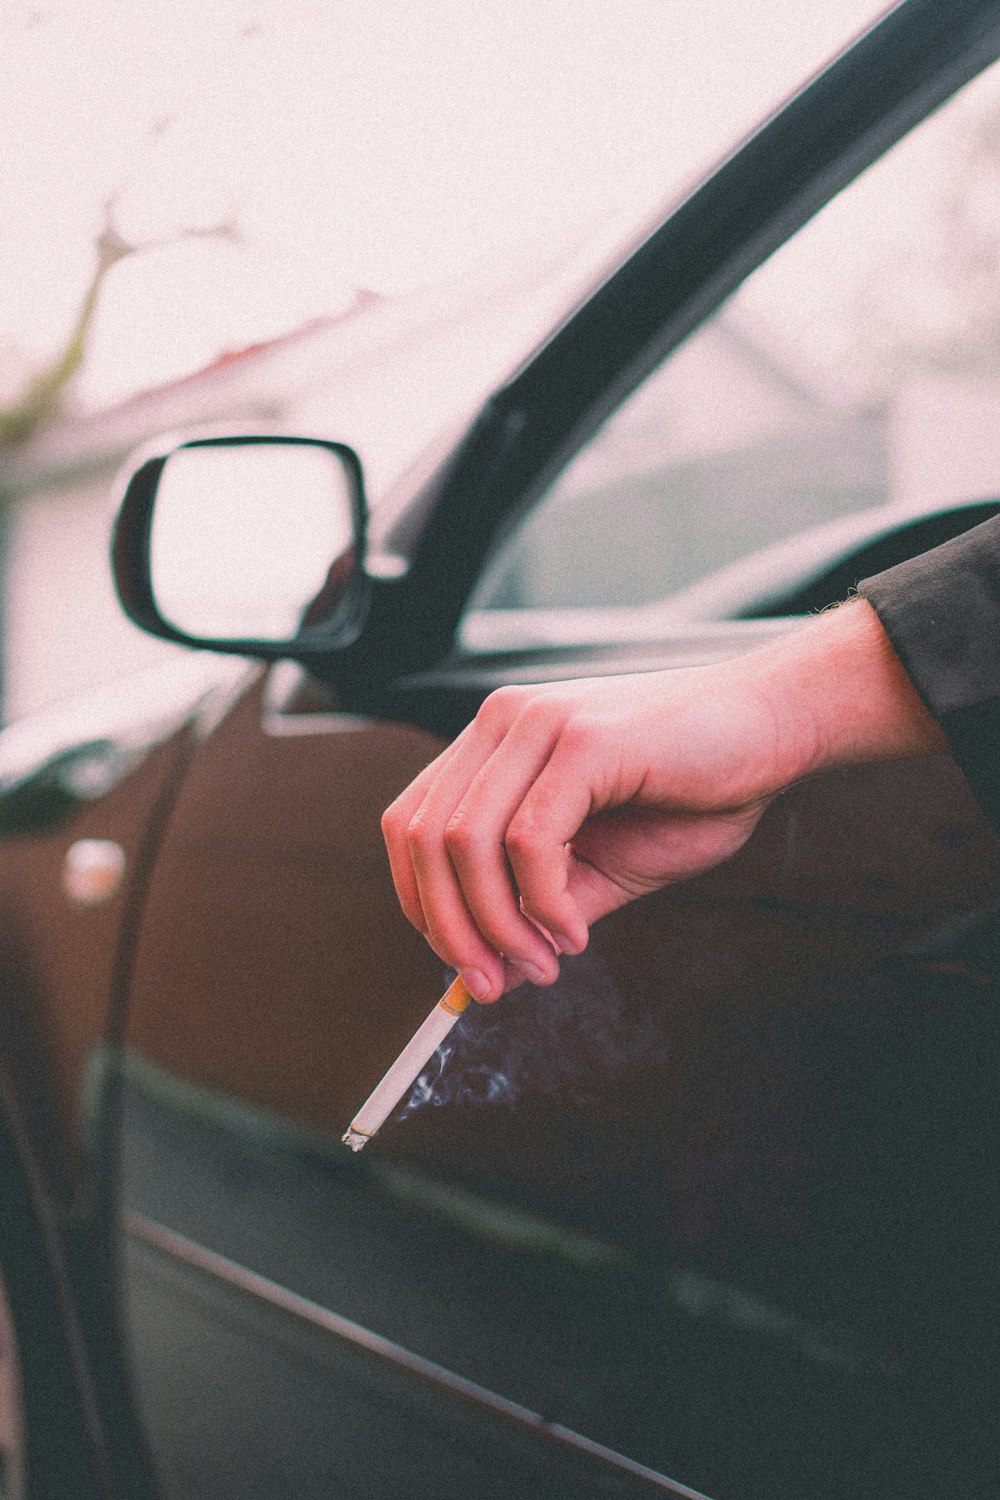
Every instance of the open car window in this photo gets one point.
(847, 389)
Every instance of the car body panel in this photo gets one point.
(269, 824)
(105, 772)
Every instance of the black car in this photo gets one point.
(714, 1215)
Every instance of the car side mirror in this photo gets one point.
(252, 544)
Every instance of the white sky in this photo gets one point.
(379, 143)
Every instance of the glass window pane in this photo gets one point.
(856, 372)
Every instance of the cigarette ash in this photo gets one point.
(575, 1038)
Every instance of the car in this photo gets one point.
(711, 1216)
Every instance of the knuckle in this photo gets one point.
(391, 822)
(523, 838)
(460, 836)
(500, 707)
(420, 837)
(537, 713)
(577, 734)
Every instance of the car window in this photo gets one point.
(857, 369)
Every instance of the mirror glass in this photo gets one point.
(248, 538)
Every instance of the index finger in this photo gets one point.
(396, 821)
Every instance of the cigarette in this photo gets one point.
(407, 1068)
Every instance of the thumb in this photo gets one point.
(616, 858)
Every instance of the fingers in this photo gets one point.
(512, 877)
(537, 822)
(395, 826)
(561, 802)
(447, 842)
(414, 828)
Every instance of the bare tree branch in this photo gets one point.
(43, 396)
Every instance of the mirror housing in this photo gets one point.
(248, 544)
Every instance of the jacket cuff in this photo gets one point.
(941, 611)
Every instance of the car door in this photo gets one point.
(664, 1219)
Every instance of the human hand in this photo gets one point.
(562, 802)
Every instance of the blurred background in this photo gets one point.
(352, 219)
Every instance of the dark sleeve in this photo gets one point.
(941, 612)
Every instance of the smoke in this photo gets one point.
(574, 1038)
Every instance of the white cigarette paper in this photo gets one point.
(407, 1068)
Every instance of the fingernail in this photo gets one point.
(476, 983)
(532, 973)
(564, 944)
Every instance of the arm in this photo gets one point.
(562, 802)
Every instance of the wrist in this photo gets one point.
(843, 689)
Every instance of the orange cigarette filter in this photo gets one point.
(456, 997)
